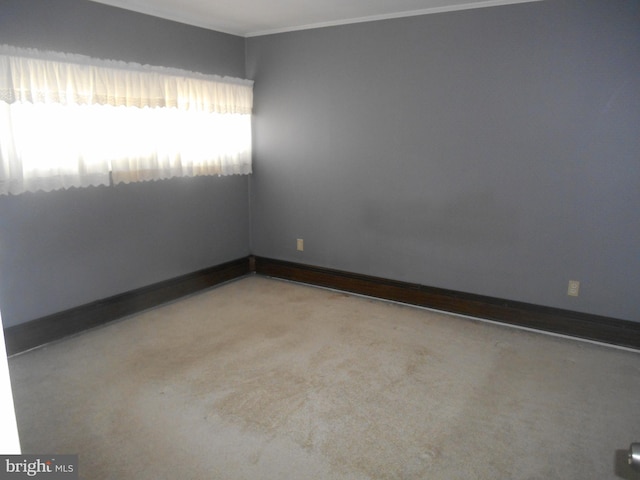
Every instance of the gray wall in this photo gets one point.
(492, 151)
(66, 248)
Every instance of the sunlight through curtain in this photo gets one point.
(70, 121)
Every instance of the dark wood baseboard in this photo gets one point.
(53, 327)
(591, 327)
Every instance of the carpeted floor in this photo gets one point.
(263, 379)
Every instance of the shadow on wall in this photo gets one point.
(465, 219)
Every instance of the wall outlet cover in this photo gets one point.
(574, 288)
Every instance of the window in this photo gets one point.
(74, 121)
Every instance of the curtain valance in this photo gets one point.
(32, 76)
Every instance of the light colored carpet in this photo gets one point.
(264, 379)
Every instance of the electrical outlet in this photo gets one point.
(300, 245)
(574, 288)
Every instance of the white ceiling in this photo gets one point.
(249, 18)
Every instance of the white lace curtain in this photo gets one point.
(69, 120)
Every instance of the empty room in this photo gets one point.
(360, 240)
